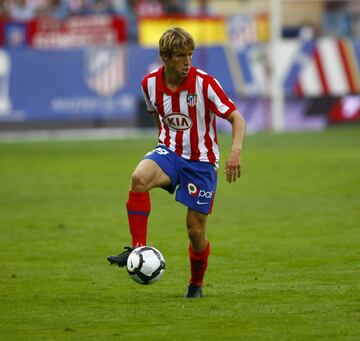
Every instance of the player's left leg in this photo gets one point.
(199, 250)
(196, 229)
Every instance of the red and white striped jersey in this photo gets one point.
(187, 116)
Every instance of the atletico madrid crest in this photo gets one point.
(191, 99)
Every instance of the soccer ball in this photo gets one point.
(145, 265)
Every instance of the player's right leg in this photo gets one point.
(146, 176)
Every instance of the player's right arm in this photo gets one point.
(150, 107)
(157, 120)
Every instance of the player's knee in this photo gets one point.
(197, 240)
(195, 232)
(194, 235)
(139, 183)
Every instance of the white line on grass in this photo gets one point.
(77, 134)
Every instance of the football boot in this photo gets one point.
(121, 259)
(194, 291)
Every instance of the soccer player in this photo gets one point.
(184, 102)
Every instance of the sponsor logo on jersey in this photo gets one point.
(178, 121)
(191, 99)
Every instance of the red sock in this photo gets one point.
(198, 265)
(138, 209)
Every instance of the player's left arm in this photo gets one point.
(233, 162)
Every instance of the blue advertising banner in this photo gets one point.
(103, 84)
(15, 35)
(90, 84)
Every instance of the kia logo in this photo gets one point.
(178, 121)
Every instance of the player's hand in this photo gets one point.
(233, 165)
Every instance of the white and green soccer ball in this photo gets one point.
(145, 265)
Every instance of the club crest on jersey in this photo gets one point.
(178, 121)
(191, 99)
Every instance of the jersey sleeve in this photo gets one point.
(220, 104)
(145, 93)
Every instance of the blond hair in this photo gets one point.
(173, 40)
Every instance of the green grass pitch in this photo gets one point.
(285, 241)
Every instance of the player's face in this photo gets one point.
(179, 63)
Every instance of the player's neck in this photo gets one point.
(172, 80)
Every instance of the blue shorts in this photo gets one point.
(194, 181)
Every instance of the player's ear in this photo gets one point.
(164, 57)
